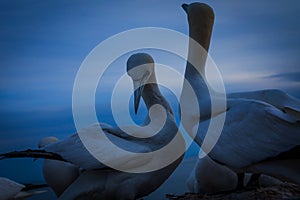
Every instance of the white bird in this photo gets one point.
(261, 133)
(211, 177)
(58, 174)
(113, 184)
(11, 190)
(101, 182)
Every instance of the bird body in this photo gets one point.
(102, 183)
(113, 184)
(116, 164)
(211, 177)
(261, 132)
(58, 174)
(254, 131)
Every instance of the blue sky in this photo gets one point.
(255, 44)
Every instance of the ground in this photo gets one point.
(277, 192)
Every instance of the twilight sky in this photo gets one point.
(255, 44)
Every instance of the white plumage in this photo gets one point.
(128, 166)
(73, 150)
(261, 133)
(98, 182)
(12, 190)
(58, 174)
(210, 177)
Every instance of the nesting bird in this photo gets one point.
(211, 177)
(113, 184)
(159, 146)
(261, 133)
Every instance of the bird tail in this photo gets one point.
(29, 153)
(27, 190)
(25, 194)
(30, 186)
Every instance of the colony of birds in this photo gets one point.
(260, 137)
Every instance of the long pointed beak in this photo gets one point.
(138, 87)
(185, 7)
(137, 98)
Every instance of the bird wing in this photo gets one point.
(100, 149)
(89, 185)
(276, 98)
(9, 188)
(253, 131)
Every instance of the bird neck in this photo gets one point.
(199, 41)
(201, 33)
(195, 81)
(152, 95)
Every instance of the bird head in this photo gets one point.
(140, 67)
(47, 140)
(201, 19)
(198, 12)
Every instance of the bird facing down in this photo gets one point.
(261, 133)
(11, 190)
(114, 184)
(158, 146)
(58, 174)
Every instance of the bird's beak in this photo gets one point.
(185, 7)
(137, 98)
(138, 91)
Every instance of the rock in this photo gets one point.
(275, 192)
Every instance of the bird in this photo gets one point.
(143, 172)
(261, 133)
(12, 190)
(210, 177)
(65, 173)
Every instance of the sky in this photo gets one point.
(255, 44)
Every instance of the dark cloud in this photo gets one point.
(290, 76)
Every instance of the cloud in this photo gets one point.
(289, 76)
